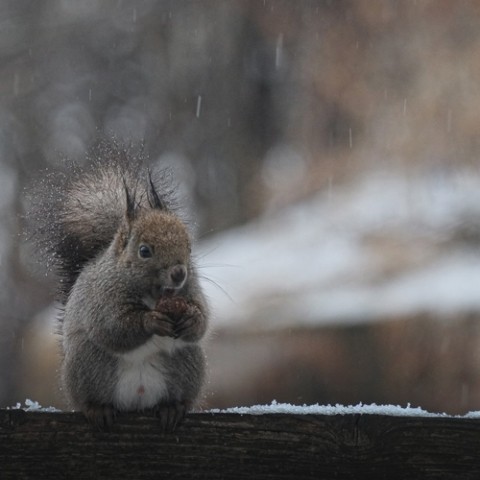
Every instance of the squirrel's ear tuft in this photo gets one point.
(130, 202)
(154, 198)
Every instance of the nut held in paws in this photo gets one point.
(174, 307)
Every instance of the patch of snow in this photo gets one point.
(287, 408)
(32, 406)
(472, 415)
(362, 409)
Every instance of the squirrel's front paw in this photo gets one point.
(157, 323)
(190, 325)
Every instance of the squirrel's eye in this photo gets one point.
(144, 251)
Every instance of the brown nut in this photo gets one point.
(174, 307)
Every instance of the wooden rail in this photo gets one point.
(35, 445)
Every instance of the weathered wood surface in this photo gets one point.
(36, 445)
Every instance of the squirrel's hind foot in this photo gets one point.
(100, 416)
(171, 415)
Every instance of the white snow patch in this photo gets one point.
(362, 409)
(287, 408)
(32, 406)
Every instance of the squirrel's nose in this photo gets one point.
(178, 273)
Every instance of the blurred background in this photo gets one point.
(328, 152)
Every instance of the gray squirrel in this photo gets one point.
(133, 311)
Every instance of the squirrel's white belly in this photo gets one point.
(141, 375)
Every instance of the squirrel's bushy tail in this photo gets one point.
(75, 214)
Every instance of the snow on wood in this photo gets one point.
(286, 408)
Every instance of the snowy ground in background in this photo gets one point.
(386, 245)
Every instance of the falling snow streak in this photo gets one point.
(199, 106)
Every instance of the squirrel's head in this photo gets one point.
(154, 245)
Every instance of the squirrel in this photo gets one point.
(133, 313)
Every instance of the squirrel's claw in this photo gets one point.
(188, 324)
(159, 324)
(170, 415)
(100, 416)
(185, 326)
